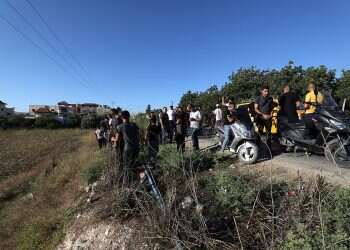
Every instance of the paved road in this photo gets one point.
(299, 162)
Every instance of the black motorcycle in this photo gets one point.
(326, 132)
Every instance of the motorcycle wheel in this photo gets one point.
(248, 152)
(335, 153)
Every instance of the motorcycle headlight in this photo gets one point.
(338, 125)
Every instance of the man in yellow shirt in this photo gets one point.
(311, 100)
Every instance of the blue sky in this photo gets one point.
(138, 52)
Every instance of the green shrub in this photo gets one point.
(94, 171)
(43, 233)
(73, 121)
(49, 122)
(232, 192)
(89, 121)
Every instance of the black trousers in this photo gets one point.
(267, 125)
(102, 142)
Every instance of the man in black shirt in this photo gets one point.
(128, 132)
(263, 107)
(288, 102)
(164, 123)
(229, 119)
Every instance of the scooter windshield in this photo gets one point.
(329, 102)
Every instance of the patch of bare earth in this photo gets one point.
(49, 185)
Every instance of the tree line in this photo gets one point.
(244, 84)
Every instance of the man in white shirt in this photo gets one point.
(195, 119)
(172, 123)
(218, 116)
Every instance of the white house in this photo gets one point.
(4, 111)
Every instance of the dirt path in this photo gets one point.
(293, 164)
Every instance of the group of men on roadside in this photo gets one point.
(168, 125)
(289, 102)
(177, 124)
(172, 125)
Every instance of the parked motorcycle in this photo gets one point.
(245, 140)
(328, 132)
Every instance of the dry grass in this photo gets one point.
(47, 164)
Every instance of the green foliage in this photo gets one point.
(244, 84)
(47, 122)
(73, 121)
(16, 122)
(94, 171)
(232, 192)
(42, 233)
(89, 121)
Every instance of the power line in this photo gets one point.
(26, 37)
(58, 38)
(57, 52)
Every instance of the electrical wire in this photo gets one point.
(26, 37)
(75, 59)
(57, 52)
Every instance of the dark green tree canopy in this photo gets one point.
(244, 84)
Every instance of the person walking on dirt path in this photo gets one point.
(218, 116)
(263, 107)
(172, 123)
(181, 129)
(164, 124)
(101, 137)
(152, 136)
(195, 119)
(128, 132)
(229, 119)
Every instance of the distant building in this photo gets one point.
(33, 108)
(88, 108)
(4, 111)
(64, 109)
(40, 112)
(103, 109)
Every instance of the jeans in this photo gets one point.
(164, 136)
(227, 136)
(194, 136)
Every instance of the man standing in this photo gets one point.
(263, 108)
(181, 129)
(218, 116)
(288, 102)
(172, 123)
(152, 135)
(229, 119)
(164, 124)
(195, 119)
(128, 132)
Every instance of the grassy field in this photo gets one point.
(40, 182)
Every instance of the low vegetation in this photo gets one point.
(41, 184)
(210, 205)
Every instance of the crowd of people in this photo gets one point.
(168, 125)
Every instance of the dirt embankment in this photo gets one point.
(39, 194)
